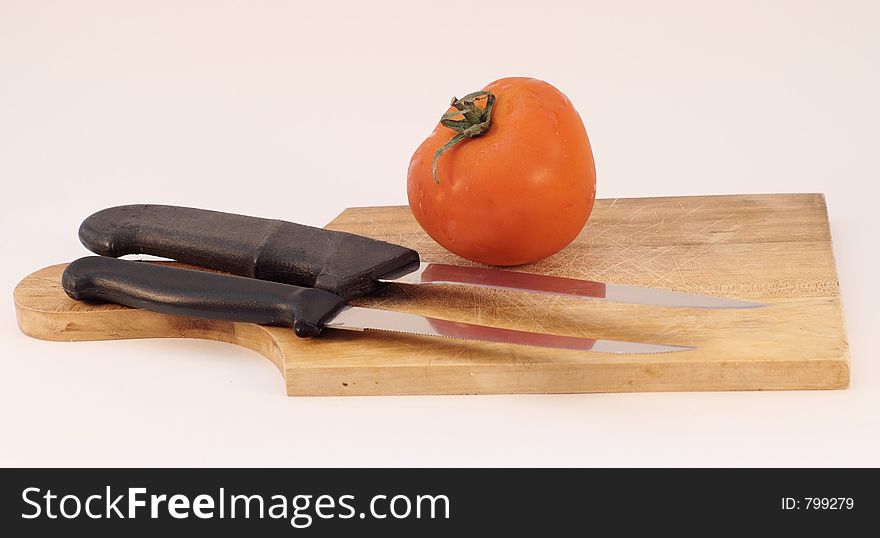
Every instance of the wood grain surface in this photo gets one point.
(772, 248)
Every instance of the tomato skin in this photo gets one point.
(516, 194)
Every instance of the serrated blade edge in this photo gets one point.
(356, 318)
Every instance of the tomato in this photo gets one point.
(515, 193)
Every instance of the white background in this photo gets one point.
(297, 110)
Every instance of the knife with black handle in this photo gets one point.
(193, 293)
(345, 264)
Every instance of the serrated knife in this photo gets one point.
(194, 293)
(342, 263)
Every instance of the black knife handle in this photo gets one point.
(343, 263)
(188, 292)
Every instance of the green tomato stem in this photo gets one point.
(468, 120)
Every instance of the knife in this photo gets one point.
(345, 264)
(189, 292)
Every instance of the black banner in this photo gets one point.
(434, 502)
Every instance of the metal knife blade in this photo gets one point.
(355, 318)
(441, 273)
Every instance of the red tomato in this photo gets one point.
(515, 193)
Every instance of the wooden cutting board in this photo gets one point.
(771, 248)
